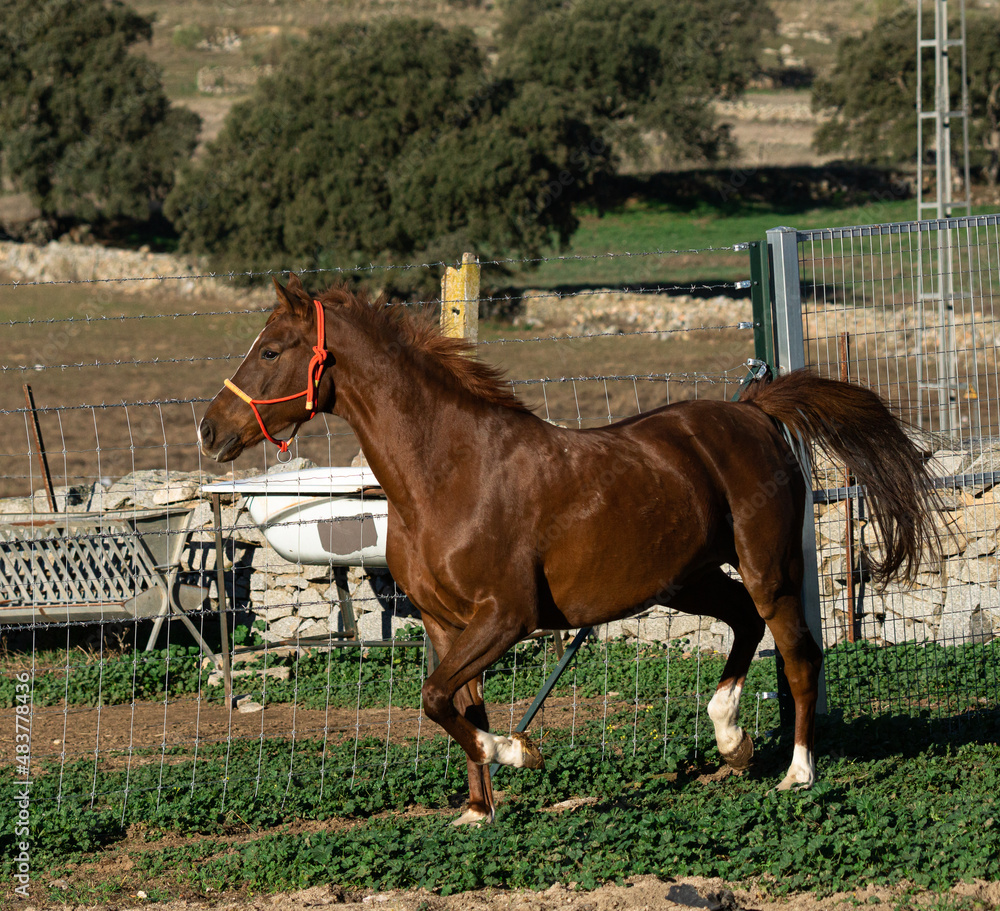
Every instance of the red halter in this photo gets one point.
(313, 375)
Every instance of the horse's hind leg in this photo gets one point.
(803, 660)
(717, 595)
(776, 592)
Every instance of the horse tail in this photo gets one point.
(853, 425)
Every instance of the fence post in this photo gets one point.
(43, 459)
(760, 297)
(788, 340)
(789, 345)
(460, 299)
(459, 319)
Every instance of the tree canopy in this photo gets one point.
(640, 65)
(870, 95)
(381, 143)
(85, 126)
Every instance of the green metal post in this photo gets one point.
(760, 295)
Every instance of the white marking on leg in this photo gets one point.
(802, 771)
(724, 710)
(803, 765)
(504, 750)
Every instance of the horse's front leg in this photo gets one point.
(490, 633)
(469, 702)
(480, 808)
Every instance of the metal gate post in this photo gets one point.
(787, 294)
(760, 297)
(789, 344)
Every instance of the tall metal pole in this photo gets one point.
(939, 291)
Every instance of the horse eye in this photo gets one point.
(268, 355)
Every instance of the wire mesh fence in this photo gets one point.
(113, 560)
(910, 310)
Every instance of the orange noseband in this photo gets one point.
(313, 375)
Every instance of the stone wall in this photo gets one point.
(230, 80)
(612, 311)
(120, 269)
(292, 600)
(954, 598)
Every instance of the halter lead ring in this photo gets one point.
(314, 372)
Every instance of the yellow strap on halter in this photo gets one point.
(232, 387)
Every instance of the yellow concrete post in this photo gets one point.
(460, 299)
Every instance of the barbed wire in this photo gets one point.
(122, 362)
(199, 400)
(493, 299)
(163, 361)
(124, 317)
(373, 267)
(105, 406)
(715, 379)
(613, 333)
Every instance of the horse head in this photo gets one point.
(266, 396)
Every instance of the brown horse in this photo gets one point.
(501, 523)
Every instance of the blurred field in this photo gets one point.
(194, 35)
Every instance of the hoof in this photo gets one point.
(739, 759)
(472, 817)
(790, 783)
(532, 756)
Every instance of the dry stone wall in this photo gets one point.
(955, 597)
(611, 311)
(294, 601)
(127, 271)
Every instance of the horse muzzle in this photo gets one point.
(223, 448)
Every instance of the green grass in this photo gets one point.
(901, 798)
(634, 233)
(927, 817)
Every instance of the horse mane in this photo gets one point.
(421, 335)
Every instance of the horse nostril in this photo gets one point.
(206, 434)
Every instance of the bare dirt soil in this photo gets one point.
(76, 732)
(643, 893)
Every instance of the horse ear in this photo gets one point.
(293, 295)
(279, 289)
(294, 286)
